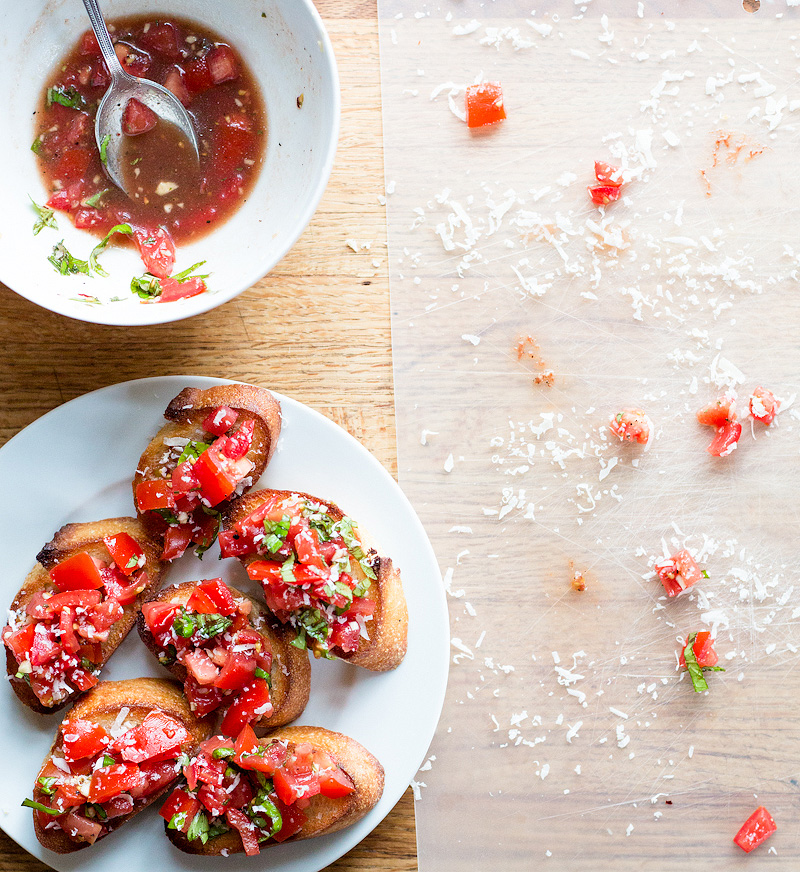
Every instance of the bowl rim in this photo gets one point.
(109, 315)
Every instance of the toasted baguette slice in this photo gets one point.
(116, 706)
(324, 815)
(388, 626)
(185, 415)
(68, 541)
(290, 674)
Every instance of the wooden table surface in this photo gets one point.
(317, 329)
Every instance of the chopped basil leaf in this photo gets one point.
(46, 785)
(314, 624)
(186, 274)
(95, 198)
(186, 623)
(183, 760)
(299, 640)
(230, 772)
(177, 821)
(168, 515)
(108, 760)
(46, 217)
(168, 655)
(286, 571)
(220, 753)
(695, 670)
(192, 450)
(87, 664)
(275, 533)
(36, 145)
(366, 566)
(132, 563)
(704, 573)
(148, 287)
(93, 809)
(262, 804)
(104, 148)
(29, 803)
(217, 830)
(93, 262)
(65, 263)
(362, 588)
(262, 673)
(68, 97)
(198, 828)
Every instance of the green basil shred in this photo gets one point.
(46, 217)
(695, 670)
(29, 803)
(65, 96)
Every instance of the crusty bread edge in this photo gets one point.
(293, 685)
(71, 539)
(389, 627)
(331, 815)
(145, 694)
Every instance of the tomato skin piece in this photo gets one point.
(246, 828)
(156, 494)
(233, 544)
(172, 290)
(199, 601)
(123, 548)
(220, 420)
(726, 440)
(157, 251)
(19, 641)
(219, 595)
(484, 104)
(215, 483)
(703, 649)
(78, 572)
(764, 405)
(83, 738)
(602, 195)
(243, 710)
(758, 827)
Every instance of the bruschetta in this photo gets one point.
(214, 446)
(230, 653)
(115, 753)
(76, 606)
(320, 575)
(297, 783)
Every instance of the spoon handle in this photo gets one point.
(104, 38)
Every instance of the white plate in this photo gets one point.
(76, 463)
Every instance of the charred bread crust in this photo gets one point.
(291, 670)
(388, 640)
(102, 704)
(185, 415)
(325, 815)
(69, 540)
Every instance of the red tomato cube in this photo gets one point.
(220, 420)
(607, 174)
(602, 195)
(758, 827)
(78, 572)
(83, 738)
(137, 118)
(484, 104)
(703, 649)
(154, 495)
(631, 425)
(764, 405)
(125, 552)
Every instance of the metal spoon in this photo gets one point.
(108, 124)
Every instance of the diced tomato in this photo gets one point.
(249, 706)
(157, 251)
(264, 570)
(219, 594)
(82, 679)
(110, 781)
(162, 37)
(726, 439)
(271, 509)
(204, 769)
(183, 478)
(240, 442)
(202, 699)
(199, 601)
(200, 666)
(345, 635)
(158, 737)
(119, 588)
(90, 45)
(174, 82)
(125, 552)
(721, 411)
(678, 572)
(295, 783)
(213, 798)
(37, 606)
(172, 290)
(246, 742)
(76, 826)
(292, 820)
(83, 738)
(758, 827)
(118, 806)
(246, 828)
(157, 775)
(607, 174)
(182, 803)
(241, 793)
(67, 199)
(631, 425)
(159, 616)
(66, 795)
(335, 782)
(69, 641)
(484, 104)
(78, 572)
(137, 118)
(177, 539)
(72, 164)
(44, 648)
(218, 475)
(220, 420)
(214, 743)
(233, 139)
(239, 670)
(602, 195)
(197, 75)
(764, 405)
(19, 641)
(306, 545)
(84, 599)
(703, 649)
(233, 544)
(135, 61)
(155, 494)
(222, 65)
(104, 615)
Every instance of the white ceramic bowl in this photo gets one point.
(288, 50)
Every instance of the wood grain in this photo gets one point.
(317, 328)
